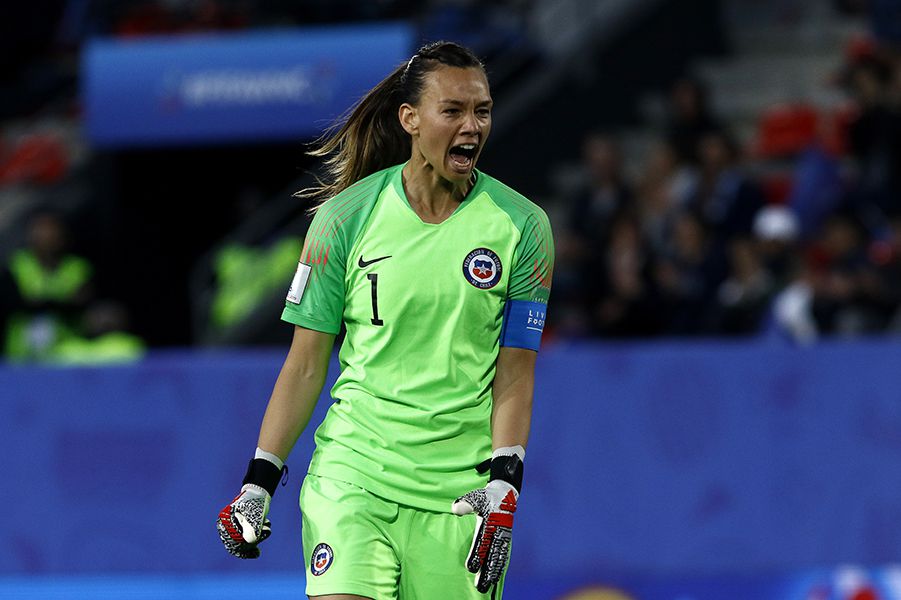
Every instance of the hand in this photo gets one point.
(242, 524)
(494, 506)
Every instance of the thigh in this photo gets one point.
(434, 556)
(345, 544)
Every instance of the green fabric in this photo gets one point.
(247, 275)
(32, 337)
(36, 283)
(373, 553)
(112, 348)
(414, 409)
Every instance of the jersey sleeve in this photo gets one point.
(530, 285)
(316, 297)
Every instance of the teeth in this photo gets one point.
(468, 146)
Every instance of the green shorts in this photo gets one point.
(357, 543)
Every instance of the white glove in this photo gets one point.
(494, 506)
(242, 524)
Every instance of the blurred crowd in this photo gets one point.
(795, 233)
(702, 239)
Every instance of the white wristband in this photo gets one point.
(510, 451)
(260, 453)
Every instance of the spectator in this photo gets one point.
(666, 184)
(687, 273)
(875, 136)
(624, 300)
(589, 214)
(604, 194)
(104, 339)
(742, 299)
(725, 198)
(689, 118)
(847, 288)
(776, 242)
(51, 287)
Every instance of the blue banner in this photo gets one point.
(656, 459)
(271, 85)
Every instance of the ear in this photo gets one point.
(409, 118)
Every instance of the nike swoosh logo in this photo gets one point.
(365, 263)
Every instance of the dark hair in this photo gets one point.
(369, 137)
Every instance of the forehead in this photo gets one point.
(467, 84)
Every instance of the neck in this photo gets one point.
(431, 197)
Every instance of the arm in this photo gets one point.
(514, 380)
(242, 524)
(495, 504)
(296, 391)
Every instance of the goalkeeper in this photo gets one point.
(441, 276)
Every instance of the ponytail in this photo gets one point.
(369, 137)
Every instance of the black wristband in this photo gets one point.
(263, 473)
(509, 469)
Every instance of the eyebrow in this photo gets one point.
(461, 103)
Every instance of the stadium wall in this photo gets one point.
(651, 461)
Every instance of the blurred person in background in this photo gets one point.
(590, 211)
(847, 288)
(875, 135)
(50, 289)
(689, 118)
(887, 256)
(686, 274)
(623, 296)
(742, 299)
(605, 193)
(441, 276)
(103, 339)
(777, 241)
(725, 198)
(760, 267)
(664, 187)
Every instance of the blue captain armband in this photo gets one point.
(523, 324)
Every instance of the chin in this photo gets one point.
(458, 177)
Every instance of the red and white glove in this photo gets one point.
(494, 506)
(242, 524)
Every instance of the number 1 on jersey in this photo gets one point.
(374, 284)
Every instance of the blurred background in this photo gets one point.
(718, 402)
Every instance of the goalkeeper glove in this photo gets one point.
(494, 506)
(242, 524)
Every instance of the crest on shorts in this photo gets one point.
(482, 268)
(321, 560)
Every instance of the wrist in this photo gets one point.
(264, 472)
(273, 458)
(510, 451)
(508, 467)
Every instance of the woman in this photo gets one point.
(441, 276)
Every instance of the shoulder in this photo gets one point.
(349, 209)
(363, 191)
(522, 211)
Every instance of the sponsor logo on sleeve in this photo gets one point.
(536, 317)
(482, 268)
(299, 283)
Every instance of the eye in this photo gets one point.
(483, 112)
(451, 111)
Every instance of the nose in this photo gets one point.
(470, 124)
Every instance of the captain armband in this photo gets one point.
(523, 324)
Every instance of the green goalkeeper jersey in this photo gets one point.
(426, 307)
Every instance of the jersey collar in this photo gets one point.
(398, 184)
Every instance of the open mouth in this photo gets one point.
(463, 154)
